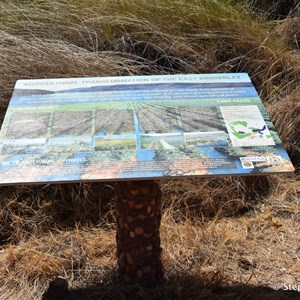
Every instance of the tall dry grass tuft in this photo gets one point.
(31, 210)
(287, 124)
(223, 238)
(289, 27)
(274, 8)
(194, 199)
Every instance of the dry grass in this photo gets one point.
(274, 9)
(225, 238)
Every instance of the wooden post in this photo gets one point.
(138, 215)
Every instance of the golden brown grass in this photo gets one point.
(224, 238)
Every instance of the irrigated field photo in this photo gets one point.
(162, 141)
(215, 138)
(222, 237)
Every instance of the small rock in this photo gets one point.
(139, 230)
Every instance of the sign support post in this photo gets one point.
(138, 215)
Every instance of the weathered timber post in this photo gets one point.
(138, 215)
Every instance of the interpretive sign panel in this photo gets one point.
(114, 128)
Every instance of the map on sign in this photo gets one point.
(114, 128)
(246, 126)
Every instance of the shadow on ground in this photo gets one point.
(180, 287)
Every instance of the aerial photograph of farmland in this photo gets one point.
(201, 119)
(157, 119)
(71, 123)
(114, 121)
(28, 125)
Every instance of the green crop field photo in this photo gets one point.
(105, 144)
